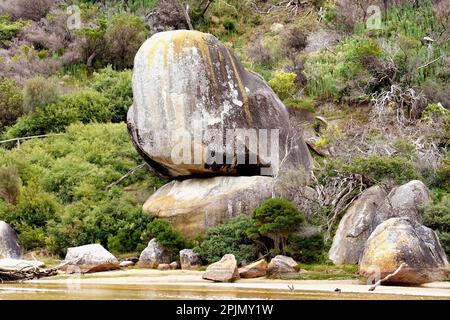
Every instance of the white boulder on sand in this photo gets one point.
(154, 255)
(403, 240)
(282, 265)
(9, 242)
(224, 270)
(90, 258)
(189, 260)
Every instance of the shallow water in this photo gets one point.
(39, 291)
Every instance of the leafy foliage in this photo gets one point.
(229, 237)
(277, 219)
(64, 200)
(166, 236)
(11, 101)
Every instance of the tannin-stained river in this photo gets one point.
(39, 291)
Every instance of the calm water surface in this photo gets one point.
(37, 291)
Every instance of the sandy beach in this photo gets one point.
(189, 284)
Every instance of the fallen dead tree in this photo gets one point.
(30, 272)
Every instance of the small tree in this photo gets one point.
(165, 235)
(39, 92)
(123, 38)
(9, 184)
(276, 219)
(11, 101)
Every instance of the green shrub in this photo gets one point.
(276, 219)
(123, 37)
(283, 83)
(166, 236)
(39, 92)
(116, 87)
(437, 216)
(10, 184)
(114, 220)
(306, 249)
(303, 104)
(8, 29)
(229, 26)
(11, 101)
(229, 237)
(380, 169)
(64, 193)
(85, 106)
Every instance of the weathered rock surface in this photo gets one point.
(90, 258)
(354, 228)
(194, 205)
(189, 260)
(9, 264)
(224, 270)
(9, 242)
(403, 201)
(154, 255)
(164, 266)
(173, 265)
(185, 82)
(282, 265)
(254, 270)
(403, 240)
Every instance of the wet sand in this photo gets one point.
(178, 284)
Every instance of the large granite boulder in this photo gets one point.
(354, 228)
(189, 260)
(190, 94)
(254, 270)
(154, 255)
(90, 258)
(403, 201)
(403, 240)
(224, 270)
(281, 265)
(9, 242)
(194, 205)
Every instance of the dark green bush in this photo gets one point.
(64, 201)
(116, 87)
(166, 236)
(380, 169)
(306, 249)
(11, 101)
(276, 219)
(85, 106)
(229, 237)
(437, 216)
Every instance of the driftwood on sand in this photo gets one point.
(379, 282)
(31, 272)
